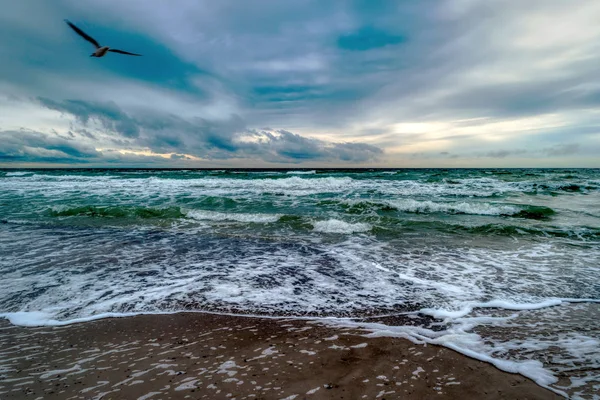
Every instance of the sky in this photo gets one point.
(301, 84)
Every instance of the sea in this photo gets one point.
(502, 265)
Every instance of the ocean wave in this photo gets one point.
(534, 212)
(216, 201)
(473, 208)
(254, 182)
(287, 185)
(581, 233)
(18, 173)
(338, 226)
(115, 212)
(203, 215)
(546, 187)
(49, 179)
(293, 184)
(296, 222)
(301, 172)
(391, 226)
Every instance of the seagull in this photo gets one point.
(100, 50)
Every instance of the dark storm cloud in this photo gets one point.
(30, 146)
(179, 157)
(109, 114)
(210, 139)
(284, 146)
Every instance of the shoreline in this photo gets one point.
(204, 355)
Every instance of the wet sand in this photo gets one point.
(207, 356)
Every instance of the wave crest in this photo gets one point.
(338, 226)
(116, 212)
(428, 206)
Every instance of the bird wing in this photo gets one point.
(83, 34)
(123, 52)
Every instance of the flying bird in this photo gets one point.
(100, 50)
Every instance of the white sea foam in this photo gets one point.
(31, 318)
(503, 304)
(44, 318)
(18, 173)
(203, 215)
(337, 226)
(301, 172)
(475, 208)
(339, 278)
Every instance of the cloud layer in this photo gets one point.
(350, 83)
(197, 138)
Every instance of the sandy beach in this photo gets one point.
(208, 356)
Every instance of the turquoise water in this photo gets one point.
(459, 255)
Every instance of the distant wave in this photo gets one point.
(116, 212)
(428, 206)
(19, 173)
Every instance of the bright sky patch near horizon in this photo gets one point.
(266, 83)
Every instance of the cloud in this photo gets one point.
(179, 157)
(505, 153)
(458, 80)
(109, 114)
(28, 146)
(203, 138)
(562, 149)
(284, 146)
